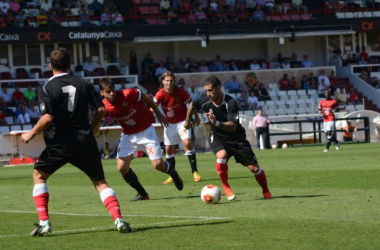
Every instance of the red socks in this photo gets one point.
(262, 180)
(109, 199)
(41, 200)
(222, 169)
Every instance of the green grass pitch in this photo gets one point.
(321, 201)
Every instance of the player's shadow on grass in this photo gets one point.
(15, 178)
(229, 178)
(299, 196)
(141, 229)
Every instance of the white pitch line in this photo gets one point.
(102, 228)
(127, 215)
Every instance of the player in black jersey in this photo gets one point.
(69, 138)
(227, 136)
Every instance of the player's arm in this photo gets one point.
(42, 124)
(99, 115)
(160, 117)
(197, 120)
(229, 126)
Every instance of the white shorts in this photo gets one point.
(175, 130)
(146, 140)
(329, 126)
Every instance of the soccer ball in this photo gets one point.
(210, 194)
(274, 146)
(284, 145)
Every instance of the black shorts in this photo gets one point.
(88, 161)
(241, 150)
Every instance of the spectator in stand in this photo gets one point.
(334, 81)
(373, 4)
(89, 67)
(349, 130)
(306, 62)
(352, 4)
(164, 6)
(364, 75)
(194, 94)
(6, 96)
(110, 4)
(374, 81)
(4, 8)
(182, 83)
(266, 64)
(253, 101)
(203, 67)
(263, 94)
(172, 16)
(296, 62)
(218, 62)
(269, 6)
(251, 5)
(297, 5)
(243, 15)
(17, 97)
(11, 20)
(29, 95)
(42, 19)
(212, 66)
(117, 18)
(46, 5)
(54, 20)
(225, 66)
(233, 85)
(313, 80)
(258, 14)
(232, 66)
(34, 113)
(147, 64)
(342, 96)
(200, 15)
(214, 5)
(362, 61)
(133, 70)
(191, 18)
(352, 97)
(160, 70)
(231, 15)
(21, 116)
(305, 84)
(173, 68)
(280, 59)
(181, 68)
(326, 78)
(261, 3)
(105, 18)
(96, 8)
(3, 120)
(323, 87)
(242, 101)
(14, 6)
(187, 7)
(285, 83)
(3, 105)
(286, 64)
(255, 65)
(294, 83)
(193, 66)
(21, 18)
(275, 64)
(212, 15)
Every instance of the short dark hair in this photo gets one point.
(60, 59)
(214, 81)
(106, 81)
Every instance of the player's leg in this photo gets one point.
(221, 165)
(90, 163)
(125, 153)
(185, 135)
(328, 127)
(149, 142)
(45, 166)
(111, 202)
(170, 158)
(243, 154)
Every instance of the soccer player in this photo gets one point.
(174, 101)
(327, 107)
(69, 138)
(128, 108)
(227, 137)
